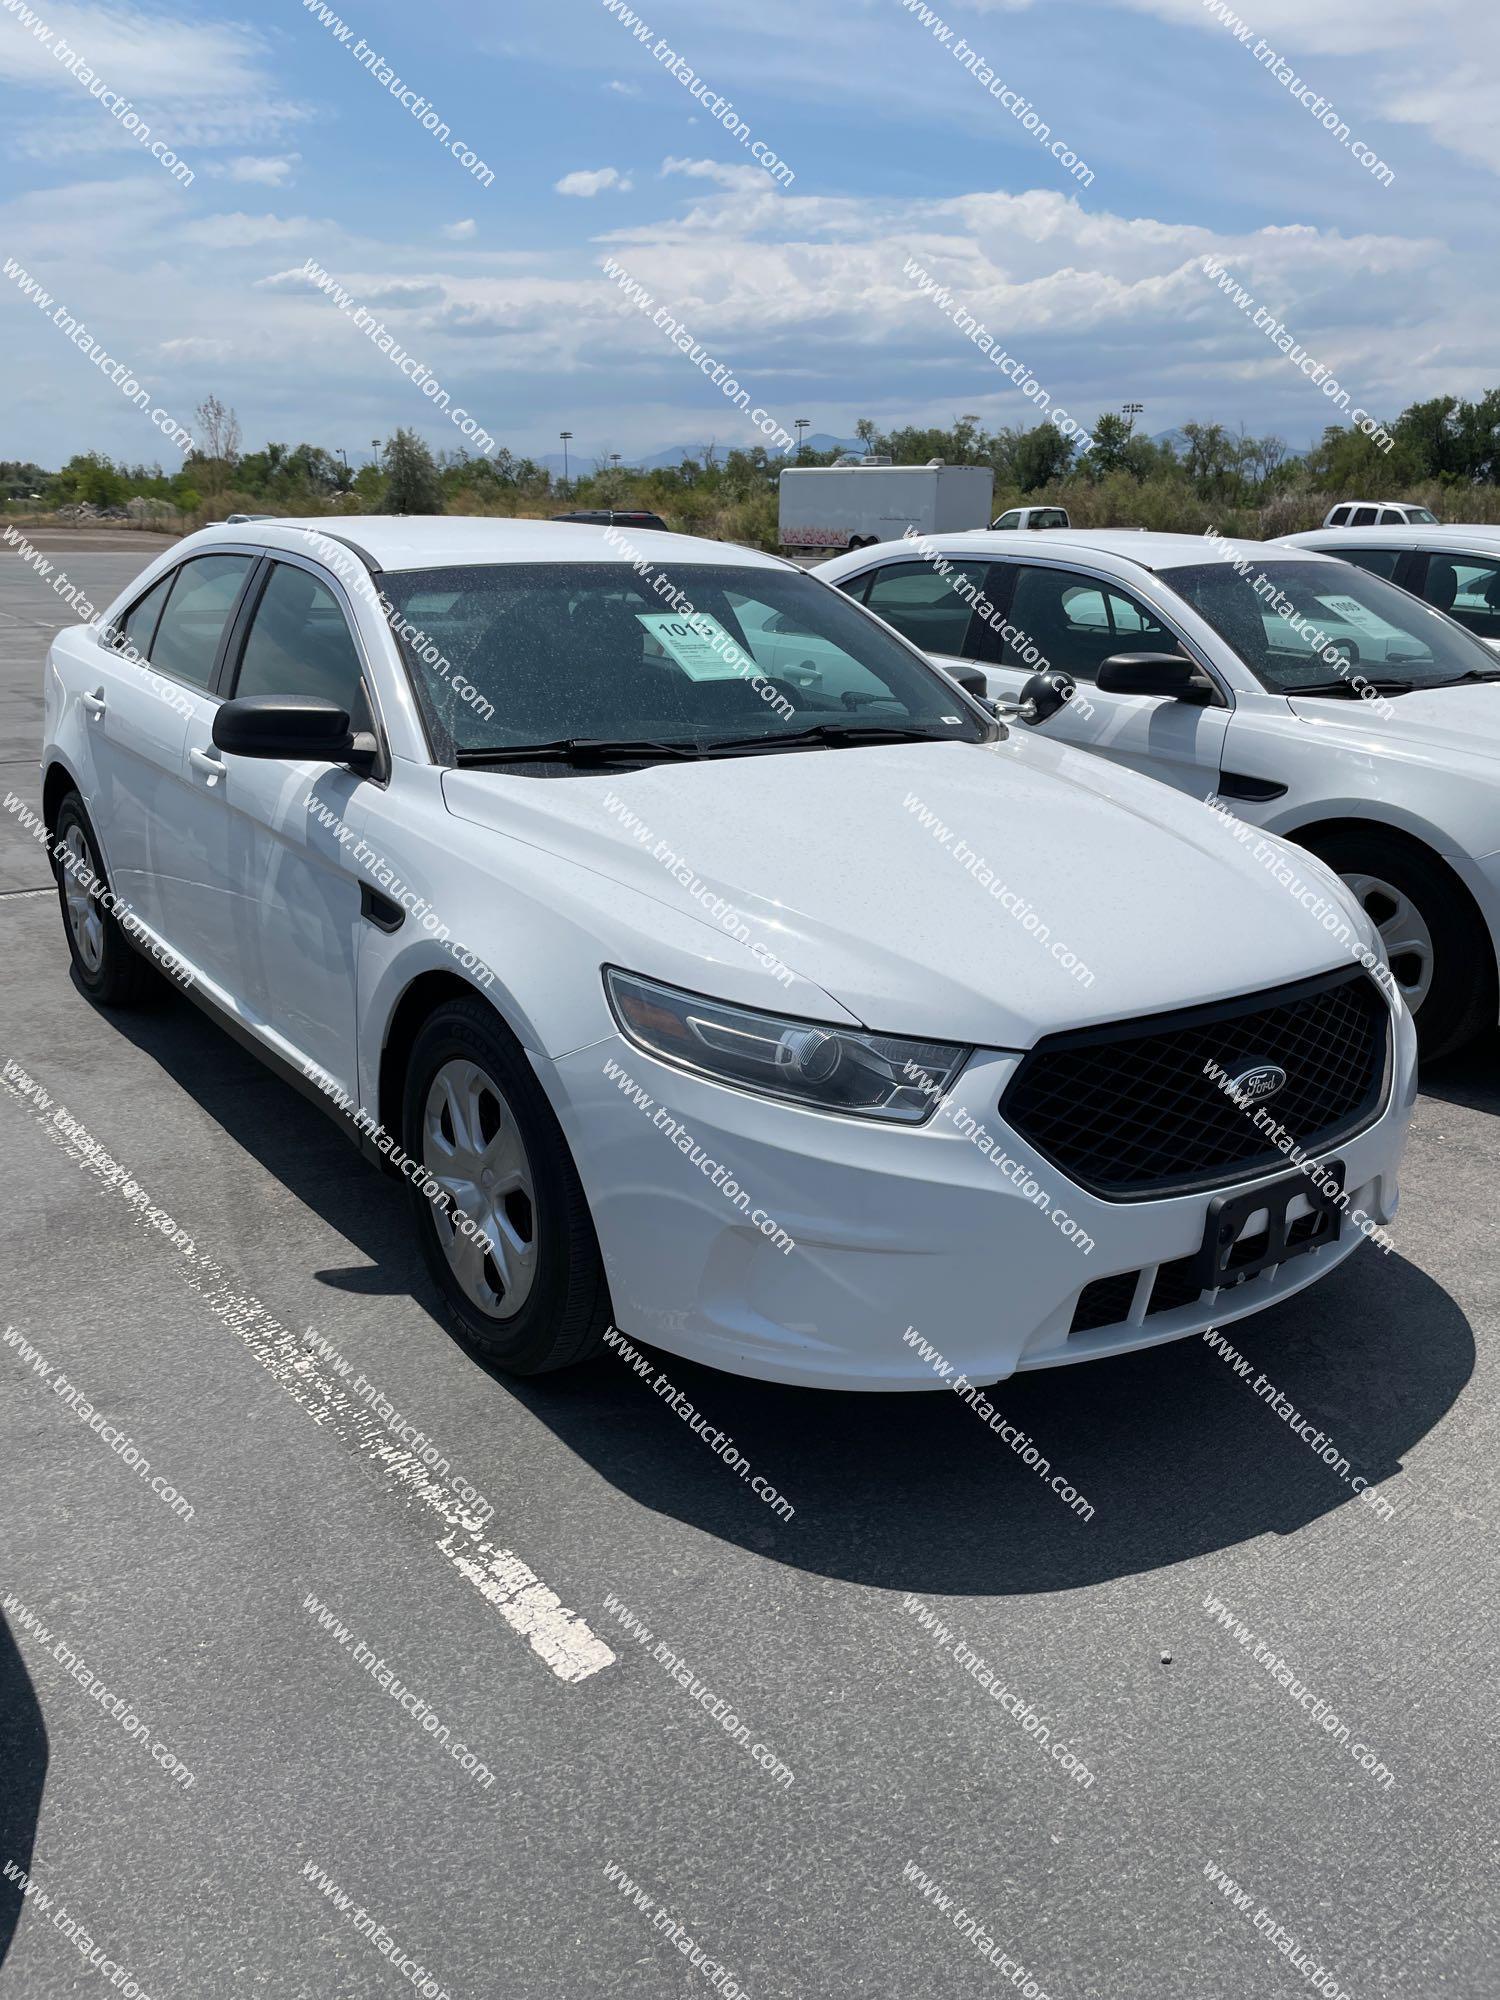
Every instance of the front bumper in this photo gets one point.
(894, 1228)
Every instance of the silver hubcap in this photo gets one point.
(85, 919)
(472, 1147)
(1403, 930)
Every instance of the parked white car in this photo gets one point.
(1455, 569)
(1031, 517)
(1323, 703)
(1379, 514)
(666, 984)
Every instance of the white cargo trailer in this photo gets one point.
(837, 507)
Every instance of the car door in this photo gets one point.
(132, 736)
(1072, 621)
(280, 882)
(934, 606)
(155, 684)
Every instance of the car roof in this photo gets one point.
(1151, 551)
(440, 541)
(1418, 534)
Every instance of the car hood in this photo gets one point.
(1120, 896)
(1443, 724)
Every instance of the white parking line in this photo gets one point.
(505, 1581)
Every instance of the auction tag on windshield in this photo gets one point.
(1358, 615)
(699, 644)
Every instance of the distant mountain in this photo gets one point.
(581, 463)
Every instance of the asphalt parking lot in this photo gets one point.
(312, 1782)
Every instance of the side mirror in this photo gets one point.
(1043, 695)
(296, 726)
(1154, 673)
(970, 679)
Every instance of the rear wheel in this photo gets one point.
(1440, 956)
(510, 1243)
(107, 966)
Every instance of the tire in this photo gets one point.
(106, 965)
(1447, 972)
(532, 1295)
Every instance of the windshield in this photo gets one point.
(1297, 624)
(1424, 516)
(508, 654)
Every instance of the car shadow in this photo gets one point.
(1175, 1453)
(1470, 1077)
(23, 1774)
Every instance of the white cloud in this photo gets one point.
(195, 347)
(275, 171)
(588, 183)
(623, 89)
(199, 82)
(460, 232)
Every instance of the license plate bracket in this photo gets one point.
(1224, 1260)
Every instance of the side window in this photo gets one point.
(930, 609)
(204, 592)
(1363, 517)
(1010, 520)
(857, 587)
(137, 628)
(1077, 621)
(300, 643)
(1392, 517)
(1468, 589)
(1379, 562)
(1339, 518)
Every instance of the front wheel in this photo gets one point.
(1440, 956)
(503, 1222)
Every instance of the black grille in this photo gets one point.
(1104, 1302)
(1128, 1111)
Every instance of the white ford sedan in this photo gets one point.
(1320, 701)
(783, 1022)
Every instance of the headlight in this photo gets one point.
(809, 1062)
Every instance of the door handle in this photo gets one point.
(205, 760)
(95, 702)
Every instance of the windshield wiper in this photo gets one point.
(829, 733)
(1356, 686)
(579, 750)
(1471, 674)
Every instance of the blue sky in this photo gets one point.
(898, 152)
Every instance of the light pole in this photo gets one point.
(1131, 410)
(801, 426)
(565, 436)
(375, 448)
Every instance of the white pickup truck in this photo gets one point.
(838, 507)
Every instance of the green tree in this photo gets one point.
(412, 481)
